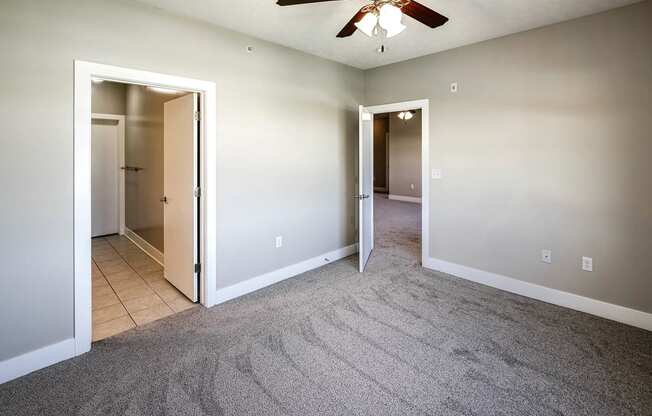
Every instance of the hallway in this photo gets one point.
(397, 228)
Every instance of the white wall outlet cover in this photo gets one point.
(454, 87)
(546, 256)
(412, 186)
(436, 174)
(587, 264)
(279, 241)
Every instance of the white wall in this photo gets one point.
(547, 144)
(287, 132)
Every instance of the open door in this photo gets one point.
(365, 187)
(180, 184)
(105, 177)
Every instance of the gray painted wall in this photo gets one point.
(109, 98)
(144, 149)
(381, 129)
(287, 133)
(405, 156)
(547, 144)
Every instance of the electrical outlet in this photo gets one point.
(546, 256)
(412, 186)
(279, 241)
(436, 174)
(587, 264)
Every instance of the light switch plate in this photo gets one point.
(454, 87)
(279, 241)
(436, 174)
(587, 264)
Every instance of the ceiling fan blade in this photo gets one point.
(424, 14)
(294, 2)
(350, 28)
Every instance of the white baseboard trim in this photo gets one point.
(15, 367)
(405, 198)
(142, 244)
(595, 307)
(264, 280)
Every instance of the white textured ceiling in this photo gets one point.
(312, 28)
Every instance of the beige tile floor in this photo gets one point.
(129, 288)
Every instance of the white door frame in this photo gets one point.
(424, 105)
(84, 73)
(120, 119)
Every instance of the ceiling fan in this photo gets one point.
(382, 17)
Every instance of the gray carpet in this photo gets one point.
(396, 340)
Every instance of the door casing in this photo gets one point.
(84, 72)
(424, 105)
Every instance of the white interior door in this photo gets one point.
(105, 174)
(365, 187)
(179, 182)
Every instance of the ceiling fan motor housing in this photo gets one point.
(377, 4)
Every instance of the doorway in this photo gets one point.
(391, 205)
(194, 205)
(107, 180)
(145, 224)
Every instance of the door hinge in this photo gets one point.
(197, 115)
(198, 268)
(197, 192)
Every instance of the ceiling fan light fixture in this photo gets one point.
(367, 24)
(382, 18)
(390, 19)
(395, 30)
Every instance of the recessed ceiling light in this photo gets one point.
(164, 90)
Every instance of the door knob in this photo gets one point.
(164, 199)
(361, 196)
